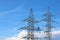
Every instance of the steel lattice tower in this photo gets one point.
(30, 28)
(48, 21)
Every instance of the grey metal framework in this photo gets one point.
(31, 28)
(48, 21)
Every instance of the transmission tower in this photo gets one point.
(48, 21)
(31, 28)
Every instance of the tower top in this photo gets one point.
(31, 12)
(31, 9)
(48, 9)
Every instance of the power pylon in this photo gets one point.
(48, 21)
(31, 28)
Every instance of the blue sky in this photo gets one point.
(12, 12)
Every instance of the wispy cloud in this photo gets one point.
(19, 8)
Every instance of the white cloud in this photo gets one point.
(24, 33)
(55, 33)
(17, 37)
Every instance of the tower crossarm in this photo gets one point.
(27, 28)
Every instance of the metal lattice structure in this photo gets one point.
(48, 21)
(31, 28)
